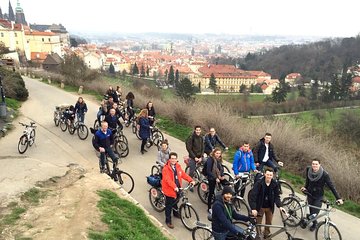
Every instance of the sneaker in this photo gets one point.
(210, 211)
(312, 228)
(102, 169)
(115, 177)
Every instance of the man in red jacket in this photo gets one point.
(172, 176)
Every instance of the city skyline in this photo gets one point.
(258, 17)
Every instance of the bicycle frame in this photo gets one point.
(325, 212)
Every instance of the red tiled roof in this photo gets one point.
(293, 75)
(5, 23)
(40, 33)
(38, 56)
(356, 80)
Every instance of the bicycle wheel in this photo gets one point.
(228, 177)
(32, 137)
(157, 199)
(138, 134)
(126, 181)
(133, 127)
(202, 233)
(286, 188)
(56, 119)
(155, 170)
(71, 128)
(327, 231)
(188, 215)
(96, 124)
(121, 148)
(226, 169)
(123, 138)
(294, 210)
(157, 137)
(63, 125)
(82, 131)
(203, 191)
(241, 206)
(23, 144)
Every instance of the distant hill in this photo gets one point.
(317, 60)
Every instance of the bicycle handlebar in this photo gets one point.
(26, 125)
(326, 201)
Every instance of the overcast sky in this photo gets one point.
(261, 17)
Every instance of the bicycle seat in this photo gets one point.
(32, 123)
(92, 130)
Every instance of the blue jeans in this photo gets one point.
(111, 154)
(268, 163)
(224, 235)
(81, 117)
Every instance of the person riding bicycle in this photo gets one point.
(266, 154)
(211, 140)
(316, 178)
(104, 108)
(195, 148)
(163, 154)
(223, 214)
(151, 112)
(130, 105)
(102, 143)
(113, 120)
(172, 176)
(243, 163)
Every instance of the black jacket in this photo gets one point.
(261, 149)
(210, 142)
(257, 194)
(210, 174)
(316, 189)
(221, 221)
(195, 146)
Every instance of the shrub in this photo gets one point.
(14, 85)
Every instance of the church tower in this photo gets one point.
(11, 15)
(20, 16)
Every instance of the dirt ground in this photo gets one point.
(67, 212)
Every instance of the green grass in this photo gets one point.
(223, 98)
(325, 125)
(11, 218)
(125, 220)
(13, 103)
(174, 129)
(33, 196)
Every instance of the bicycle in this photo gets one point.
(251, 231)
(81, 129)
(156, 169)
(156, 137)
(238, 202)
(325, 229)
(125, 180)
(121, 145)
(188, 215)
(27, 138)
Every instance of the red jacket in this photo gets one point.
(168, 181)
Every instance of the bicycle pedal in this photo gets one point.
(303, 224)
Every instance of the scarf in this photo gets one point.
(315, 176)
(215, 169)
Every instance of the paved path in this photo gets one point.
(54, 150)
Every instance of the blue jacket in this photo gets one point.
(221, 221)
(103, 139)
(144, 130)
(243, 161)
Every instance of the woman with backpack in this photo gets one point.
(214, 173)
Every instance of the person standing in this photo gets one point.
(316, 179)
(262, 199)
(195, 148)
(81, 109)
(243, 163)
(211, 140)
(223, 214)
(266, 154)
(215, 174)
(172, 176)
(144, 130)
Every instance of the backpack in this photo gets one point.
(204, 170)
(154, 180)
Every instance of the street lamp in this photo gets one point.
(2, 104)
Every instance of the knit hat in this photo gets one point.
(227, 189)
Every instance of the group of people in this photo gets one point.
(262, 198)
